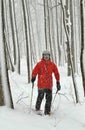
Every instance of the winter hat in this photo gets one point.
(46, 52)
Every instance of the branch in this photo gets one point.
(51, 7)
(21, 99)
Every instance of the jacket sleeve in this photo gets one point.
(56, 72)
(35, 70)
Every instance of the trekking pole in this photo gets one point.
(31, 97)
(54, 98)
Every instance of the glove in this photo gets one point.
(58, 85)
(33, 79)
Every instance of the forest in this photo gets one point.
(27, 27)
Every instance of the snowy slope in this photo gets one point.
(66, 115)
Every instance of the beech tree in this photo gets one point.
(82, 61)
(6, 96)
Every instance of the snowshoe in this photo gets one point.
(38, 112)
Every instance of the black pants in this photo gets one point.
(48, 96)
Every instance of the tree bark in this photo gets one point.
(12, 30)
(69, 50)
(82, 45)
(4, 70)
(27, 40)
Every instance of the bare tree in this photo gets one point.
(26, 36)
(10, 65)
(9, 57)
(31, 33)
(12, 30)
(69, 51)
(45, 17)
(1, 90)
(17, 41)
(57, 30)
(52, 31)
(82, 44)
(4, 70)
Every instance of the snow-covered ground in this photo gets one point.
(66, 115)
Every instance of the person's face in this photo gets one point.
(46, 57)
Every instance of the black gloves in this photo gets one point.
(33, 79)
(58, 86)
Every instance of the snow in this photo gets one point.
(66, 114)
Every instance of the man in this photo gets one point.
(44, 70)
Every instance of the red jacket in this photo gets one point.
(44, 70)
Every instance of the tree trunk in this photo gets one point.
(82, 45)
(68, 53)
(4, 71)
(1, 89)
(27, 40)
(69, 50)
(12, 30)
(17, 41)
(45, 20)
(57, 30)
